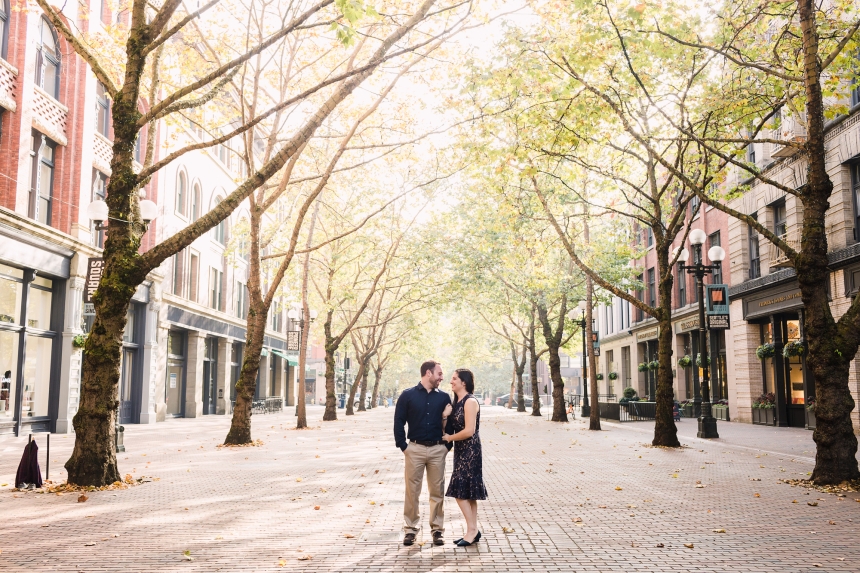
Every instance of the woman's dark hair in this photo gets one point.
(468, 379)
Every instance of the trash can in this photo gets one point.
(341, 401)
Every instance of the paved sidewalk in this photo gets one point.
(253, 509)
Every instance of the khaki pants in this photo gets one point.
(416, 458)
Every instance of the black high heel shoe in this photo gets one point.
(463, 543)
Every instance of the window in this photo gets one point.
(625, 314)
(751, 153)
(650, 237)
(194, 268)
(138, 148)
(215, 277)
(99, 194)
(4, 26)
(695, 206)
(855, 92)
(277, 316)
(181, 193)
(652, 290)
(195, 202)
(178, 272)
(48, 60)
(639, 295)
(682, 286)
(855, 184)
(779, 218)
(42, 177)
(102, 110)
(755, 267)
(241, 300)
(714, 241)
(219, 232)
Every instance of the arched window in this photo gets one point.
(181, 193)
(4, 27)
(219, 232)
(195, 202)
(48, 60)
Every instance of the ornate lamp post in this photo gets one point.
(577, 315)
(707, 422)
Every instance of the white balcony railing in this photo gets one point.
(777, 257)
(8, 76)
(792, 130)
(50, 116)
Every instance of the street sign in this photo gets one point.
(95, 266)
(293, 338)
(718, 322)
(597, 351)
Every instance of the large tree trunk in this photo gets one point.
(559, 414)
(521, 397)
(533, 360)
(665, 431)
(594, 416)
(362, 399)
(362, 367)
(330, 413)
(377, 376)
(301, 411)
(240, 425)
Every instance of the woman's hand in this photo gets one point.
(447, 438)
(447, 411)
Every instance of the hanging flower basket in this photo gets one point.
(699, 360)
(600, 376)
(685, 361)
(79, 340)
(613, 375)
(792, 349)
(654, 365)
(765, 351)
(643, 367)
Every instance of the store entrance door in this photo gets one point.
(126, 401)
(210, 376)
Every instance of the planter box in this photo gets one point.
(687, 410)
(763, 416)
(810, 419)
(720, 412)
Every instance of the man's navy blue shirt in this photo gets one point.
(422, 410)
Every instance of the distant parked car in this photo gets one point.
(503, 401)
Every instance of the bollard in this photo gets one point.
(120, 431)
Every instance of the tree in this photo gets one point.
(151, 31)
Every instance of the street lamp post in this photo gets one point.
(707, 422)
(578, 316)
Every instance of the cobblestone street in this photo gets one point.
(330, 499)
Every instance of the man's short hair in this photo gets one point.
(428, 366)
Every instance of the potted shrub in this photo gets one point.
(79, 340)
(792, 349)
(720, 410)
(688, 409)
(629, 395)
(765, 351)
(654, 365)
(685, 361)
(600, 376)
(810, 413)
(699, 360)
(643, 367)
(613, 375)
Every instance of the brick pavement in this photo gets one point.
(246, 510)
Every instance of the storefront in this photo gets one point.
(647, 351)
(778, 312)
(687, 344)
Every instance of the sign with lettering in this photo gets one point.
(718, 322)
(717, 299)
(293, 338)
(649, 334)
(95, 266)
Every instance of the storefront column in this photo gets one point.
(70, 357)
(194, 374)
(263, 384)
(779, 372)
(150, 361)
(222, 382)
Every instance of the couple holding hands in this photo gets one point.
(435, 425)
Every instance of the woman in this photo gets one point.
(467, 480)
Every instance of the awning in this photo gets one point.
(290, 360)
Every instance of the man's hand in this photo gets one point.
(447, 411)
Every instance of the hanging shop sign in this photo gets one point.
(95, 267)
(717, 299)
(649, 334)
(718, 322)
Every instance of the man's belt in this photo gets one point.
(428, 443)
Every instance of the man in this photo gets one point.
(425, 408)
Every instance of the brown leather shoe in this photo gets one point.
(438, 539)
(409, 539)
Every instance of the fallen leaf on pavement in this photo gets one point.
(660, 545)
(507, 530)
(372, 503)
(298, 479)
(831, 522)
(756, 495)
(90, 544)
(282, 563)
(617, 488)
(349, 536)
(688, 545)
(306, 557)
(719, 530)
(82, 498)
(812, 503)
(316, 507)
(577, 520)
